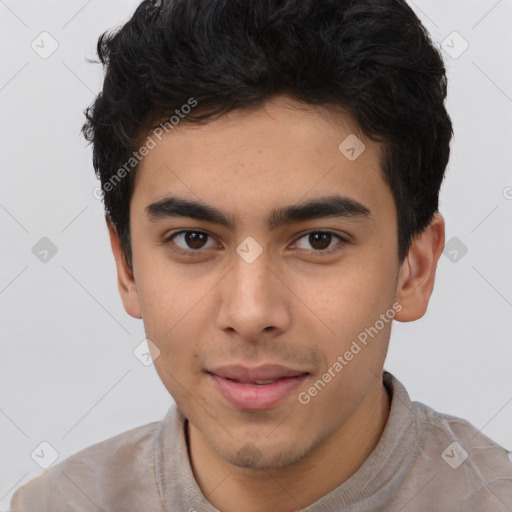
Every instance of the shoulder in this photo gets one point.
(443, 462)
(466, 460)
(111, 471)
(441, 428)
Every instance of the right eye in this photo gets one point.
(188, 241)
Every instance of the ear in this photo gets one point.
(416, 275)
(125, 280)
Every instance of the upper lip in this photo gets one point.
(264, 372)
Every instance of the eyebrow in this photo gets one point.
(322, 207)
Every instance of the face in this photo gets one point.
(252, 295)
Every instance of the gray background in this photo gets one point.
(68, 375)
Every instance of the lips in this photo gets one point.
(257, 388)
(257, 374)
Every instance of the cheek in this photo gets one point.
(174, 314)
(169, 294)
(348, 299)
(177, 363)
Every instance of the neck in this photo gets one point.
(230, 488)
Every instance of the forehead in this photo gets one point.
(281, 153)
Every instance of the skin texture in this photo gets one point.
(290, 306)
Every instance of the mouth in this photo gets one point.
(257, 388)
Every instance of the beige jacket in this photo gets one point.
(424, 462)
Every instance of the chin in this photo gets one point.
(263, 455)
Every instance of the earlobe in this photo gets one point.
(125, 279)
(417, 273)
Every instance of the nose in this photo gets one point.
(254, 301)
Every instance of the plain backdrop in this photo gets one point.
(68, 374)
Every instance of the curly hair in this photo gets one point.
(374, 58)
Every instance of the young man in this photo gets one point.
(271, 172)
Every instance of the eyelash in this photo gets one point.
(318, 252)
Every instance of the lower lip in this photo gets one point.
(254, 396)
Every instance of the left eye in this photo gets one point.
(320, 240)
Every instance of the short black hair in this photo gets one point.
(373, 58)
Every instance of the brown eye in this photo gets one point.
(190, 241)
(195, 240)
(320, 241)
